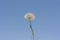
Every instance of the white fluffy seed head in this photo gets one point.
(29, 16)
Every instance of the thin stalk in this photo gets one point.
(32, 31)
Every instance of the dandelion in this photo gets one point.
(30, 17)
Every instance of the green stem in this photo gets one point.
(32, 31)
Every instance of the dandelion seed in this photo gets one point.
(30, 17)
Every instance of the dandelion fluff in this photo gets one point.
(29, 16)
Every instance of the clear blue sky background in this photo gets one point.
(13, 26)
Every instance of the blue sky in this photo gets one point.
(13, 26)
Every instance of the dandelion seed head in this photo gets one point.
(29, 16)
